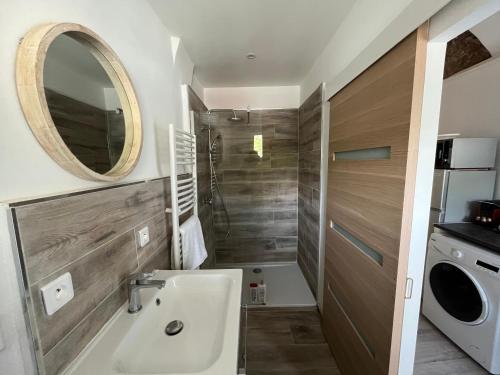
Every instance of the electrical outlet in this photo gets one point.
(143, 236)
(57, 293)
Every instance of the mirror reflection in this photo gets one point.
(84, 103)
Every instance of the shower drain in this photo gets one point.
(257, 270)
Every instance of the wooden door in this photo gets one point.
(374, 132)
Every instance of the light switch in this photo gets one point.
(57, 293)
(143, 236)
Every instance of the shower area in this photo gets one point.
(258, 187)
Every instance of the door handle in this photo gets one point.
(409, 288)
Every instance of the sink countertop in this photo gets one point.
(207, 301)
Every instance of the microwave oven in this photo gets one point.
(466, 153)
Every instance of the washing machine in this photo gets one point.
(462, 297)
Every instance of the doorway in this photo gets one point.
(444, 27)
(453, 334)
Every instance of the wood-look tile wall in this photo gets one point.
(91, 235)
(200, 125)
(95, 136)
(309, 187)
(260, 192)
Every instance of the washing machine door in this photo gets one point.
(458, 293)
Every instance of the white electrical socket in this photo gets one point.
(143, 236)
(57, 293)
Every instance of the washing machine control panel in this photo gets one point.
(468, 256)
(487, 267)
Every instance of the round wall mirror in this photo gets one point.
(79, 101)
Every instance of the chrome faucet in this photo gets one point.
(135, 283)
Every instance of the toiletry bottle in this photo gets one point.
(254, 295)
(262, 290)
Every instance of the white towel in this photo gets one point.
(194, 252)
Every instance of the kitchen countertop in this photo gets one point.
(474, 233)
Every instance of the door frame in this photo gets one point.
(451, 21)
(325, 139)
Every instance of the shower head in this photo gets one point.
(235, 118)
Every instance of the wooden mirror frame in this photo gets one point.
(30, 63)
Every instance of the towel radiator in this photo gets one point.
(183, 185)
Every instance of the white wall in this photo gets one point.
(143, 44)
(271, 97)
(198, 87)
(181, 60)
(370, 29)
(471, 104)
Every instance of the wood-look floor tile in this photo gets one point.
(324, 371)
(285, 317)
(289, 357)
(459, 366)
(436, 354)
(307, 334)
(287, 341)
(272, 336)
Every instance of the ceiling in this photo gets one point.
(286, 35)
(488, 32)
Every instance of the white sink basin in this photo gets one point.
(207, 302)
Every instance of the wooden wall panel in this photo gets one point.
(366, 203)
